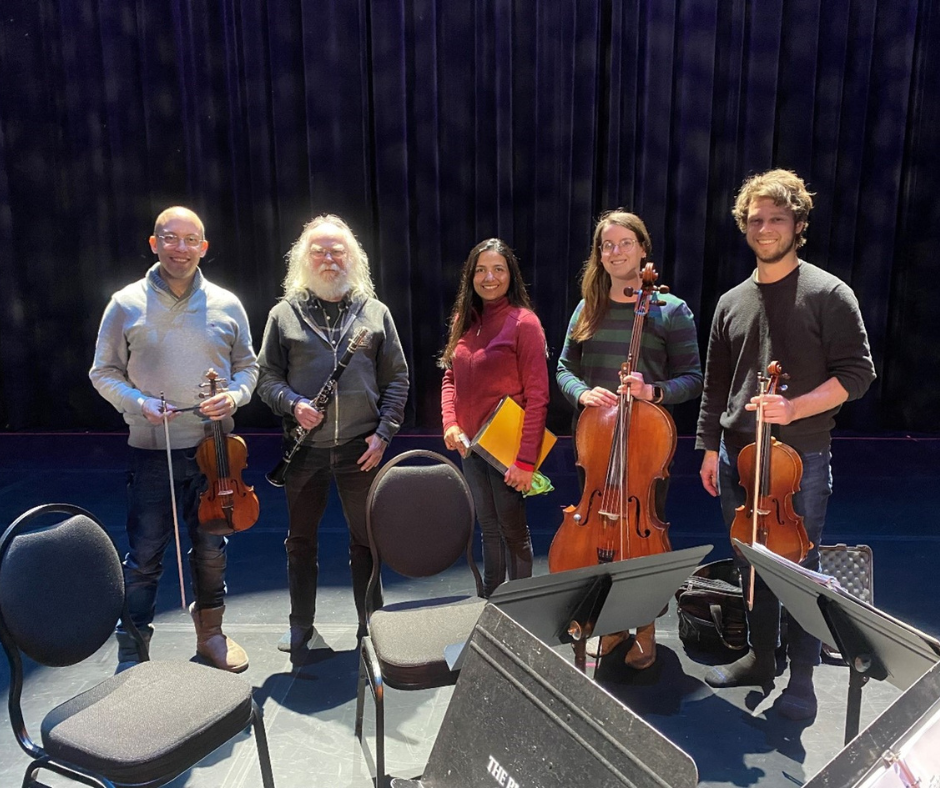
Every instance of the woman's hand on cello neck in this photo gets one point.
(639, 389)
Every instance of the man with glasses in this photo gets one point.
(789, 311)
(328, 298)
(158, 338)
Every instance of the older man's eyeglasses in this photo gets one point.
(624, 246)
(172, 240)
(319, 253)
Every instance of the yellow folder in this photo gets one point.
(498, 440)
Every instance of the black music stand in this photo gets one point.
(572, 606)
(890, 744)
(875, 645)
(522, 715)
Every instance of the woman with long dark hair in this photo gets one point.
(496, 348)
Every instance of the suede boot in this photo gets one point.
(213, 644)
(798, 701)
(642, 653)
(602, 646)
(756, 668)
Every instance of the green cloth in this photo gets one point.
(541, 484)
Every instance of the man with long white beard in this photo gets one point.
(328, 298)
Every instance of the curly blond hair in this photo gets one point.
(784, 187)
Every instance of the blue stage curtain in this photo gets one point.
(432, 125)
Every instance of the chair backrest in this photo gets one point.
(61, 585)
(420, 518)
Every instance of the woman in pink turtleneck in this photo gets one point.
(496, 348)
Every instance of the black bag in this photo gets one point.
(711, 608)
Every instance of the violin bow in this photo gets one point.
(176, 524)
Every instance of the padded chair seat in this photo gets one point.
(410, 639)
(105, 731)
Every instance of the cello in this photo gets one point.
(625, 450)
(227, 504)
(770, 472)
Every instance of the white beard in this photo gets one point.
(329, 289)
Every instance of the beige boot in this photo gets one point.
(642, 653)
(213, 644)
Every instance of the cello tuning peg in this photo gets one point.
(663, 289)
(629, 292)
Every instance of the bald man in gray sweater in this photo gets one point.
(159, 336)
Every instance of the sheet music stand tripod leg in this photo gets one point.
(584, 619)
(862, 660)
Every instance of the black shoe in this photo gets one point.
(295, 639)
(127, 665)
(798, 701)
(795, 706)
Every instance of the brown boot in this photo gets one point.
(602, 646)
(642, 653)
(213, 644)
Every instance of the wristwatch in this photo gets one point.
(658, 395)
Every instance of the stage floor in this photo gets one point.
(885, 496)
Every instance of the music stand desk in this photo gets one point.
(522, 715)
(875, 645)
(572, 606)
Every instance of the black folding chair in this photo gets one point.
(61, 594)
(420, 521)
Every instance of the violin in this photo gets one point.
(770, 471)
(625, 451)
(227, 504)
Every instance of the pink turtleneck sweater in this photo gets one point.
(501, 354)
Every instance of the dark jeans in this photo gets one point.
(308, 489)
(150, 530)
(501, 513)
(763, 622)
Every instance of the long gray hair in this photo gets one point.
(299, 274)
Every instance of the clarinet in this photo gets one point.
(319, 403)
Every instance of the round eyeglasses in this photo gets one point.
(624, 246)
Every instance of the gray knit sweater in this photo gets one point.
(150, 342)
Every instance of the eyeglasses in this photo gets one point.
(172, 240)
(319, 253)
(624, 246)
